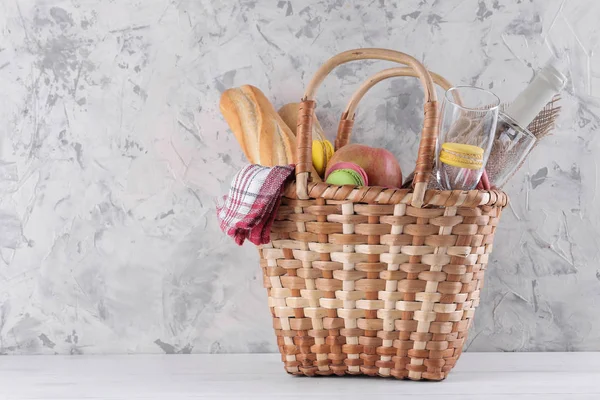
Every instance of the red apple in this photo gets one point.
(381, 166)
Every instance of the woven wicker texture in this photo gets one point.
(371, 280)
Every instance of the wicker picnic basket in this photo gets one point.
(371, 280)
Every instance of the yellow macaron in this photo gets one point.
(322, 151)
(462, 155)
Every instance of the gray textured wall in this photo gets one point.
(113, 152)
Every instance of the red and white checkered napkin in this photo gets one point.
(250, 207)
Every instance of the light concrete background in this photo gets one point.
(113, 152)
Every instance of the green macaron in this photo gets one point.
(345, 176)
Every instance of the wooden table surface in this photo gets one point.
(513, 376)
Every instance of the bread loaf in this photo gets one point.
(262, 134)
(241, 116)
(277, 143)
(289, 115)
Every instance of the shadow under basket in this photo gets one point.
(376, 281)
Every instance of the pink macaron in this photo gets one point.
(348, 165)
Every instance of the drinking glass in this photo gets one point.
(467, 126)
(512, 143)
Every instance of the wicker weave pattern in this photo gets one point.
(373, 289)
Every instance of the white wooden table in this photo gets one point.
(513, 376)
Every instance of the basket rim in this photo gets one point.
(388, 196)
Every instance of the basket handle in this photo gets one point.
(428, 134)
(346, 124)
(349, 114)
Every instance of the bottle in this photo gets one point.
(513, 141)
(547, 82)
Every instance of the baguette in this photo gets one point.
(241, 116)
(289, 115)
(252, 120)
(275, 143)
(262, 134)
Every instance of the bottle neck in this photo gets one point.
(547, 83)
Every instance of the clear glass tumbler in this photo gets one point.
(512, 143)
(467, 126)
